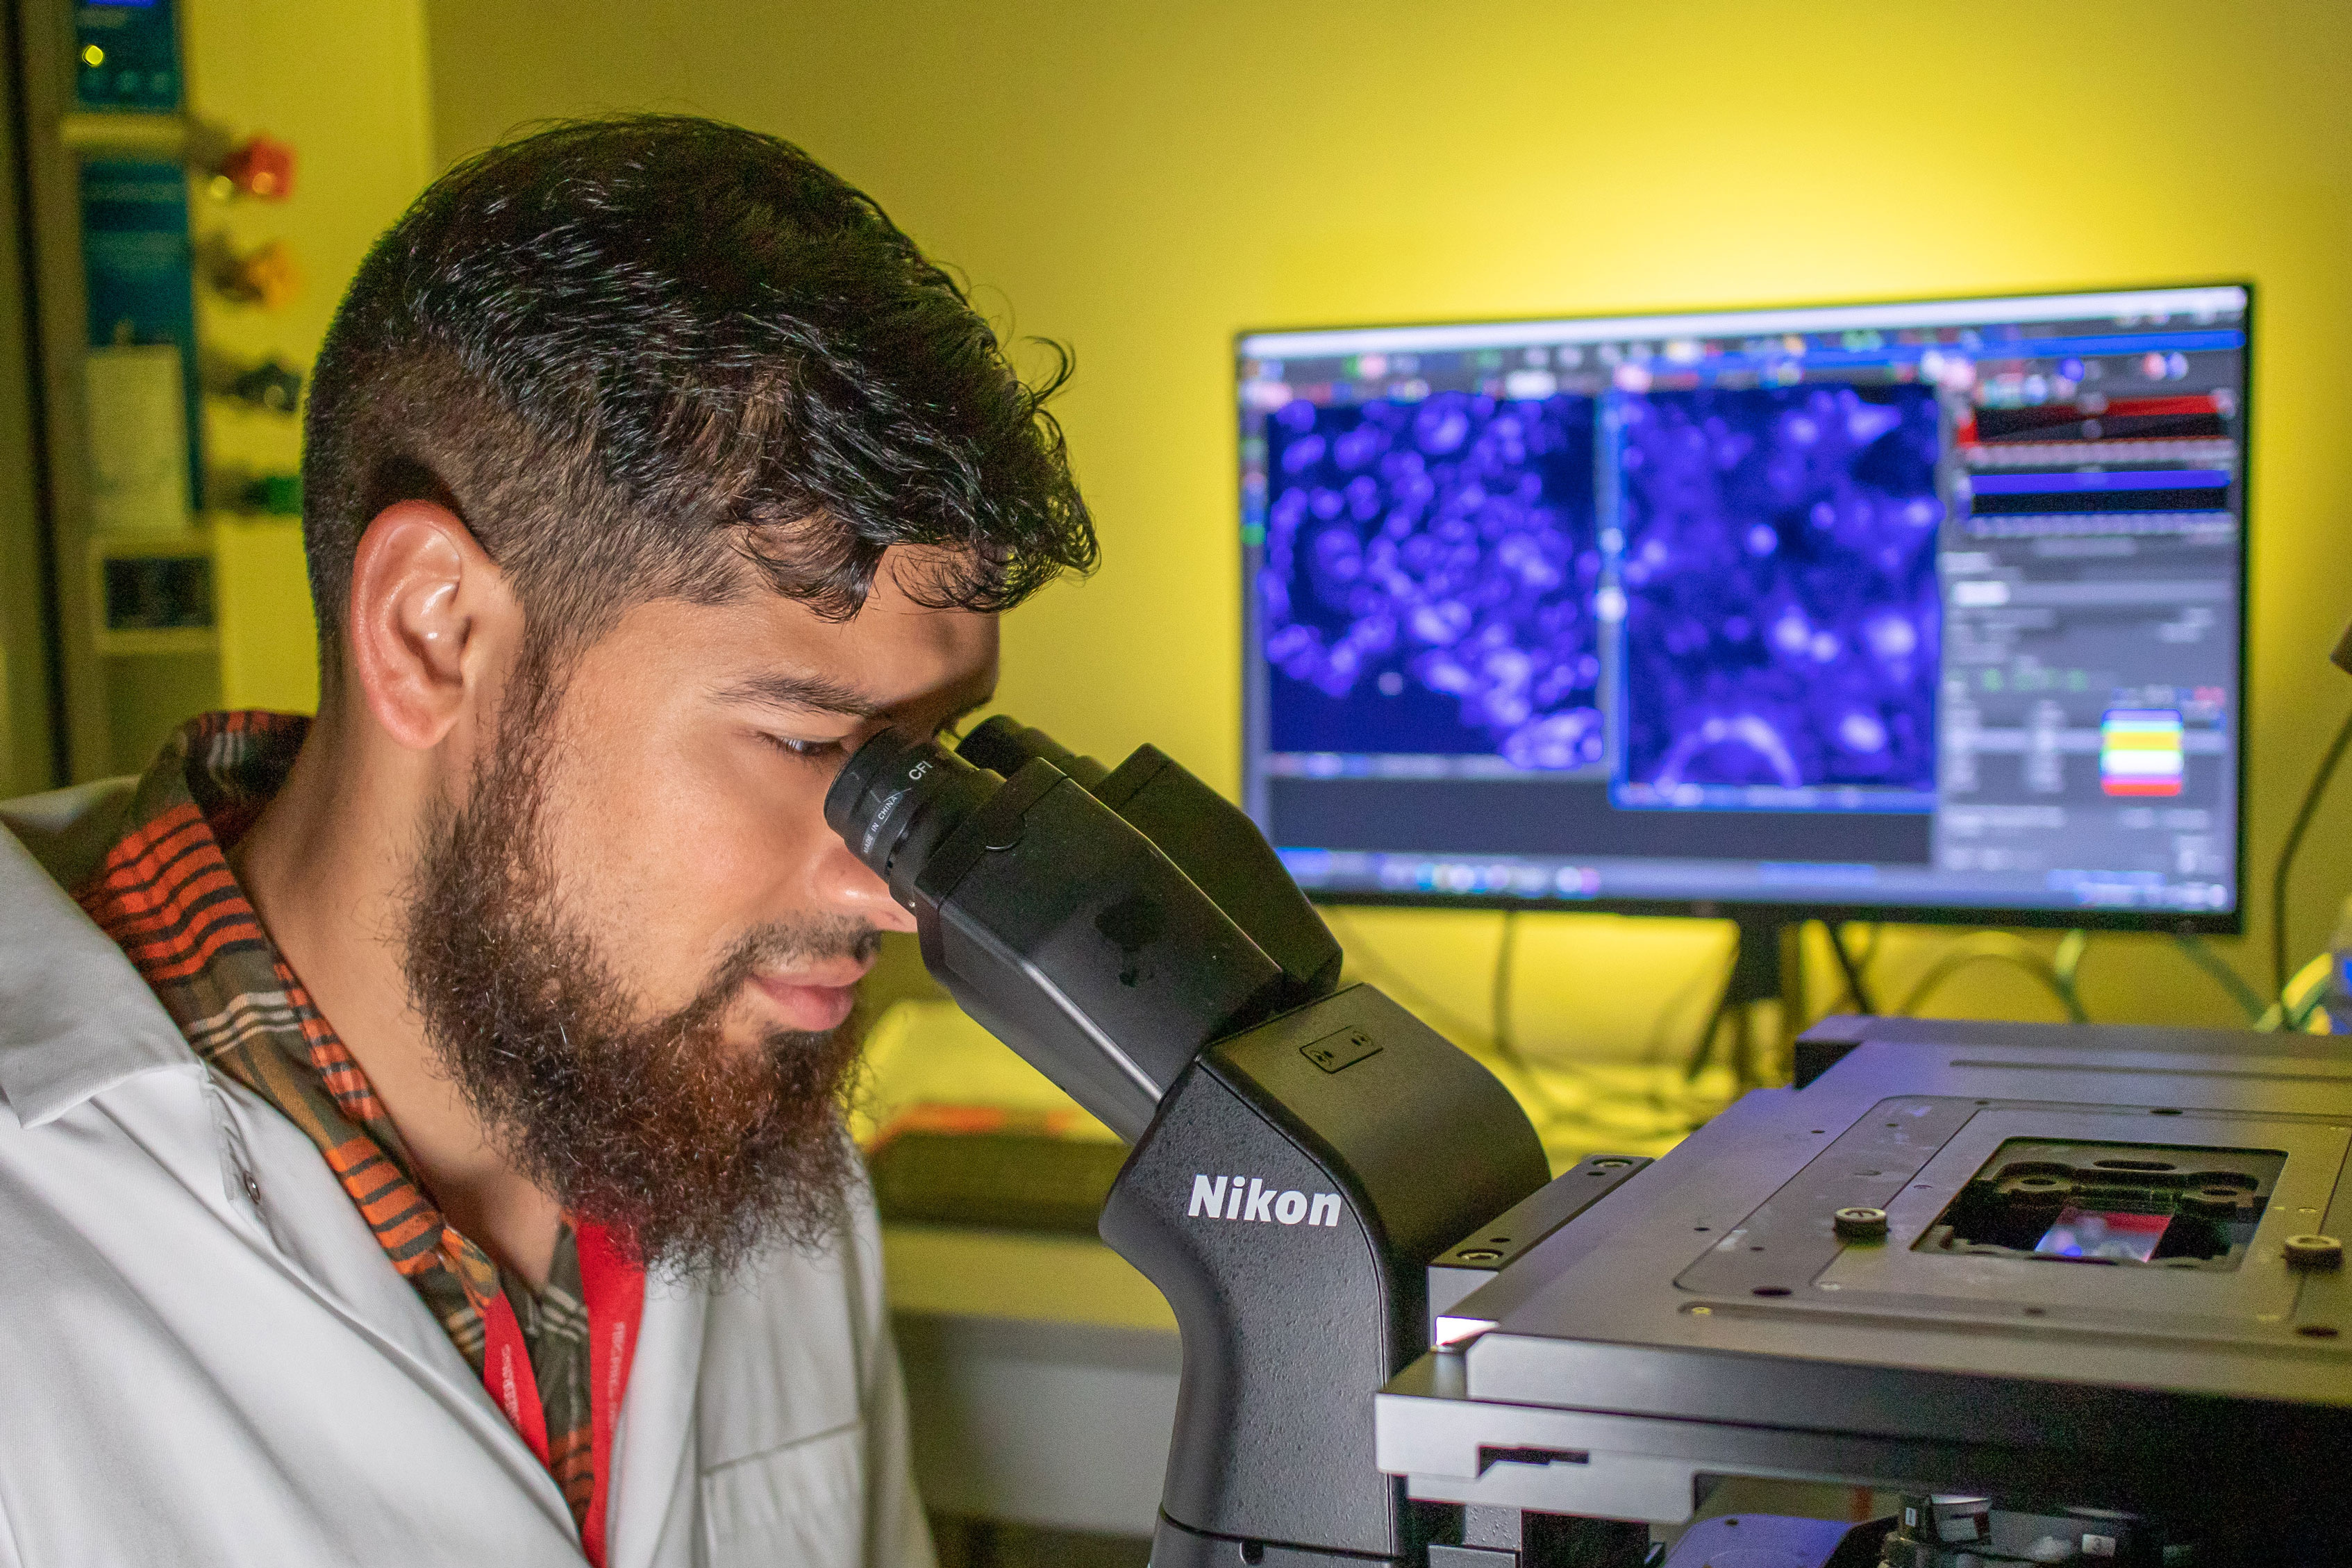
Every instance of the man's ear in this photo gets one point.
(429, 613)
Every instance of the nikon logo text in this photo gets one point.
(1226, 1198)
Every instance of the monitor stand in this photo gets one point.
(1766, 963)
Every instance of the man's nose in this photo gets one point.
(844, 886)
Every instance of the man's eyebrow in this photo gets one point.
(801, 691)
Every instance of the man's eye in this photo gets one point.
(805, 751)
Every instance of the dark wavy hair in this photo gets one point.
(635, 354)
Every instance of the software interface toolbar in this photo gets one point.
(1933, 604)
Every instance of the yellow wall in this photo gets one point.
(344, 82)
(1142, 181)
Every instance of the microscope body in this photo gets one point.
(1300, 1153)
(1350, 1145)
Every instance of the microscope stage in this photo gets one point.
(2084, 1288)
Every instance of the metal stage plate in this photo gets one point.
(1707, 1319)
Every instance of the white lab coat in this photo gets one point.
(204, 1357)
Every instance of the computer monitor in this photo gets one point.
(1919, 611)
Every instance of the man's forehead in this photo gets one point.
(888, 657)
(762, 648)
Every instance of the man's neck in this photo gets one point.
(325, 866)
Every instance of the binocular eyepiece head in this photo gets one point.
(900, 799)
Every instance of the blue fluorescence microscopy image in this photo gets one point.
(1428, 579)
(1781, 616)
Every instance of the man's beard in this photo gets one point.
(699, 1154)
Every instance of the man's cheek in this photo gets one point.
(732, 854)
(696, 823)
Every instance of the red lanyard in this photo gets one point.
(615, 1291)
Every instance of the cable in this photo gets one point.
(1501, 1033)
(1361, 953)
(2299, 998)
(2061, 984)
(1504, 1037)
(2308, 992)
(1945, 968)
(1500, 1007)
(1709, 977)
(2064, 966)
(2311, 796)
(1500, 1041)
(2248, 999)
(1463, 1031)
(1852, 968)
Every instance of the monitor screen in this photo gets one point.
(1933, 610)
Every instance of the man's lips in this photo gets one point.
(817, 998)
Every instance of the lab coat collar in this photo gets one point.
(76, 1018)
(655, 1455)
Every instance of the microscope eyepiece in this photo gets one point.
(1004, 744)
(898, 799)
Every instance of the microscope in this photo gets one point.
(2068, 1294)
(1301, 1152)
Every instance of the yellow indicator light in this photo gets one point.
(91, 55)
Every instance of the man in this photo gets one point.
(422, 1137)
